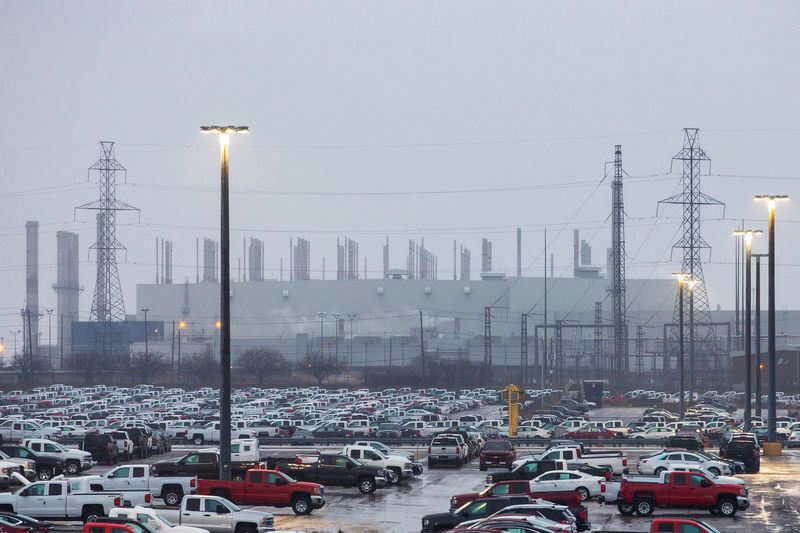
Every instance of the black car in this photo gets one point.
(331, 432)
(688, 440)
(603, 471)
(102, 446)
(22, 521)
(141, 446)
(528, 470)
(46, 467)
(479, 508)
(744, 450)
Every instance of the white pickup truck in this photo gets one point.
(398, 465)
(616, 460)
(75, 461)
(55, 499)
(149, 516)
(137, 477)
(218, 515)
(14, 430)
(210, 433)
(86, 484)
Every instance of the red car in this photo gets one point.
(497, 452)
(591, 432)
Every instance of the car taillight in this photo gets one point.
(608, 475)
(193, 482)
(429, 449)
(582, 515)
(147, 498)
(624, 462)
(117, 501)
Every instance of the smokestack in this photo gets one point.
(32, 283)
(67, 290)
(519, 252)
(552, 265)
(576, 259)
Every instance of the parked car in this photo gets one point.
(46, 467)
(480, 508)
(332, 469)
(497, 452)
(102, 446)
(32, 500)
(218, 515)
(152, 519)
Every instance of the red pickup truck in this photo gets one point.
(518, 487)
(497, 452)
(267, 487)
(642, 494)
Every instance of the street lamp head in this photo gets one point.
(681, 276)
(771, 199)
(219, 324)
(692, 283)
(748, 234)
(181, 324)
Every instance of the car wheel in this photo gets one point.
(391, 477)
(198, 440)
(714, 470)
(45, 474)
(173, 498)
(625, 508)
(644, 507)
(658, 471)
(727, 507)
(367, 485)
(584, 494)
(301, 505)
(238, 477)
(73, 468)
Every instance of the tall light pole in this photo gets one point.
(225, 299)
(181, 325)
(336, 333)
(772, 447)
(49, 337)
(692, 283)
(351, 316)
(748, 350)
(321, 315)
(15, 333)
(146, 332)
(759, 364)
(2, 349)
(681, 276)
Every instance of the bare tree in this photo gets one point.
(319, 366)
(146, 365)
(263, 362)
(89, 365)
(201, 368)
(28, 365)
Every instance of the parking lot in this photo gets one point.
(774, 496)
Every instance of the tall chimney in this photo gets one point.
(31, 334)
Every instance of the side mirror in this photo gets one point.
(706, 483)
(349, 465)
(222, 510)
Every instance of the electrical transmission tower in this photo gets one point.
(619, 363)
(108, 307)
(692, 159)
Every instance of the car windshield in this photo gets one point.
(708, 526)
(230, 505)
(496, 446)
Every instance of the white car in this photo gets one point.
(557, 480)
(661, 462)
(150, 517)
(533, 432)
(693, 467)
(75, 461)
(653, 433)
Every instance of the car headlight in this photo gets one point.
(425, 522)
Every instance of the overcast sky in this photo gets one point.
(388, 97)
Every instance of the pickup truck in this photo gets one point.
(526, 471)
(203, 464)
(503, 488)
(416, 466)
(46, 467)
(87, 484)
(268, 487)
(210, 433)
(138, 477)
(445, 449)
(218, 515)
(54, 499)
(397, 466)
(480, 508)
(150, 517)
(616, 460)
(14, 430)
(331, 469)
(497, 452)
(642, 494)
(75, 461)
(675, 525)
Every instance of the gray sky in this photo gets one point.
(358, 97)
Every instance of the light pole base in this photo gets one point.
(772, 449)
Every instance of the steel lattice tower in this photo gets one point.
(108, 306)
(692, 158)
(619, 362)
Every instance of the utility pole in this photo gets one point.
(146, 333)
(759, 365)
(351, 316)
(172, 365)
(49, 338)
(336, 333)
(422, 344)
(544, 359)
(321, 315)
